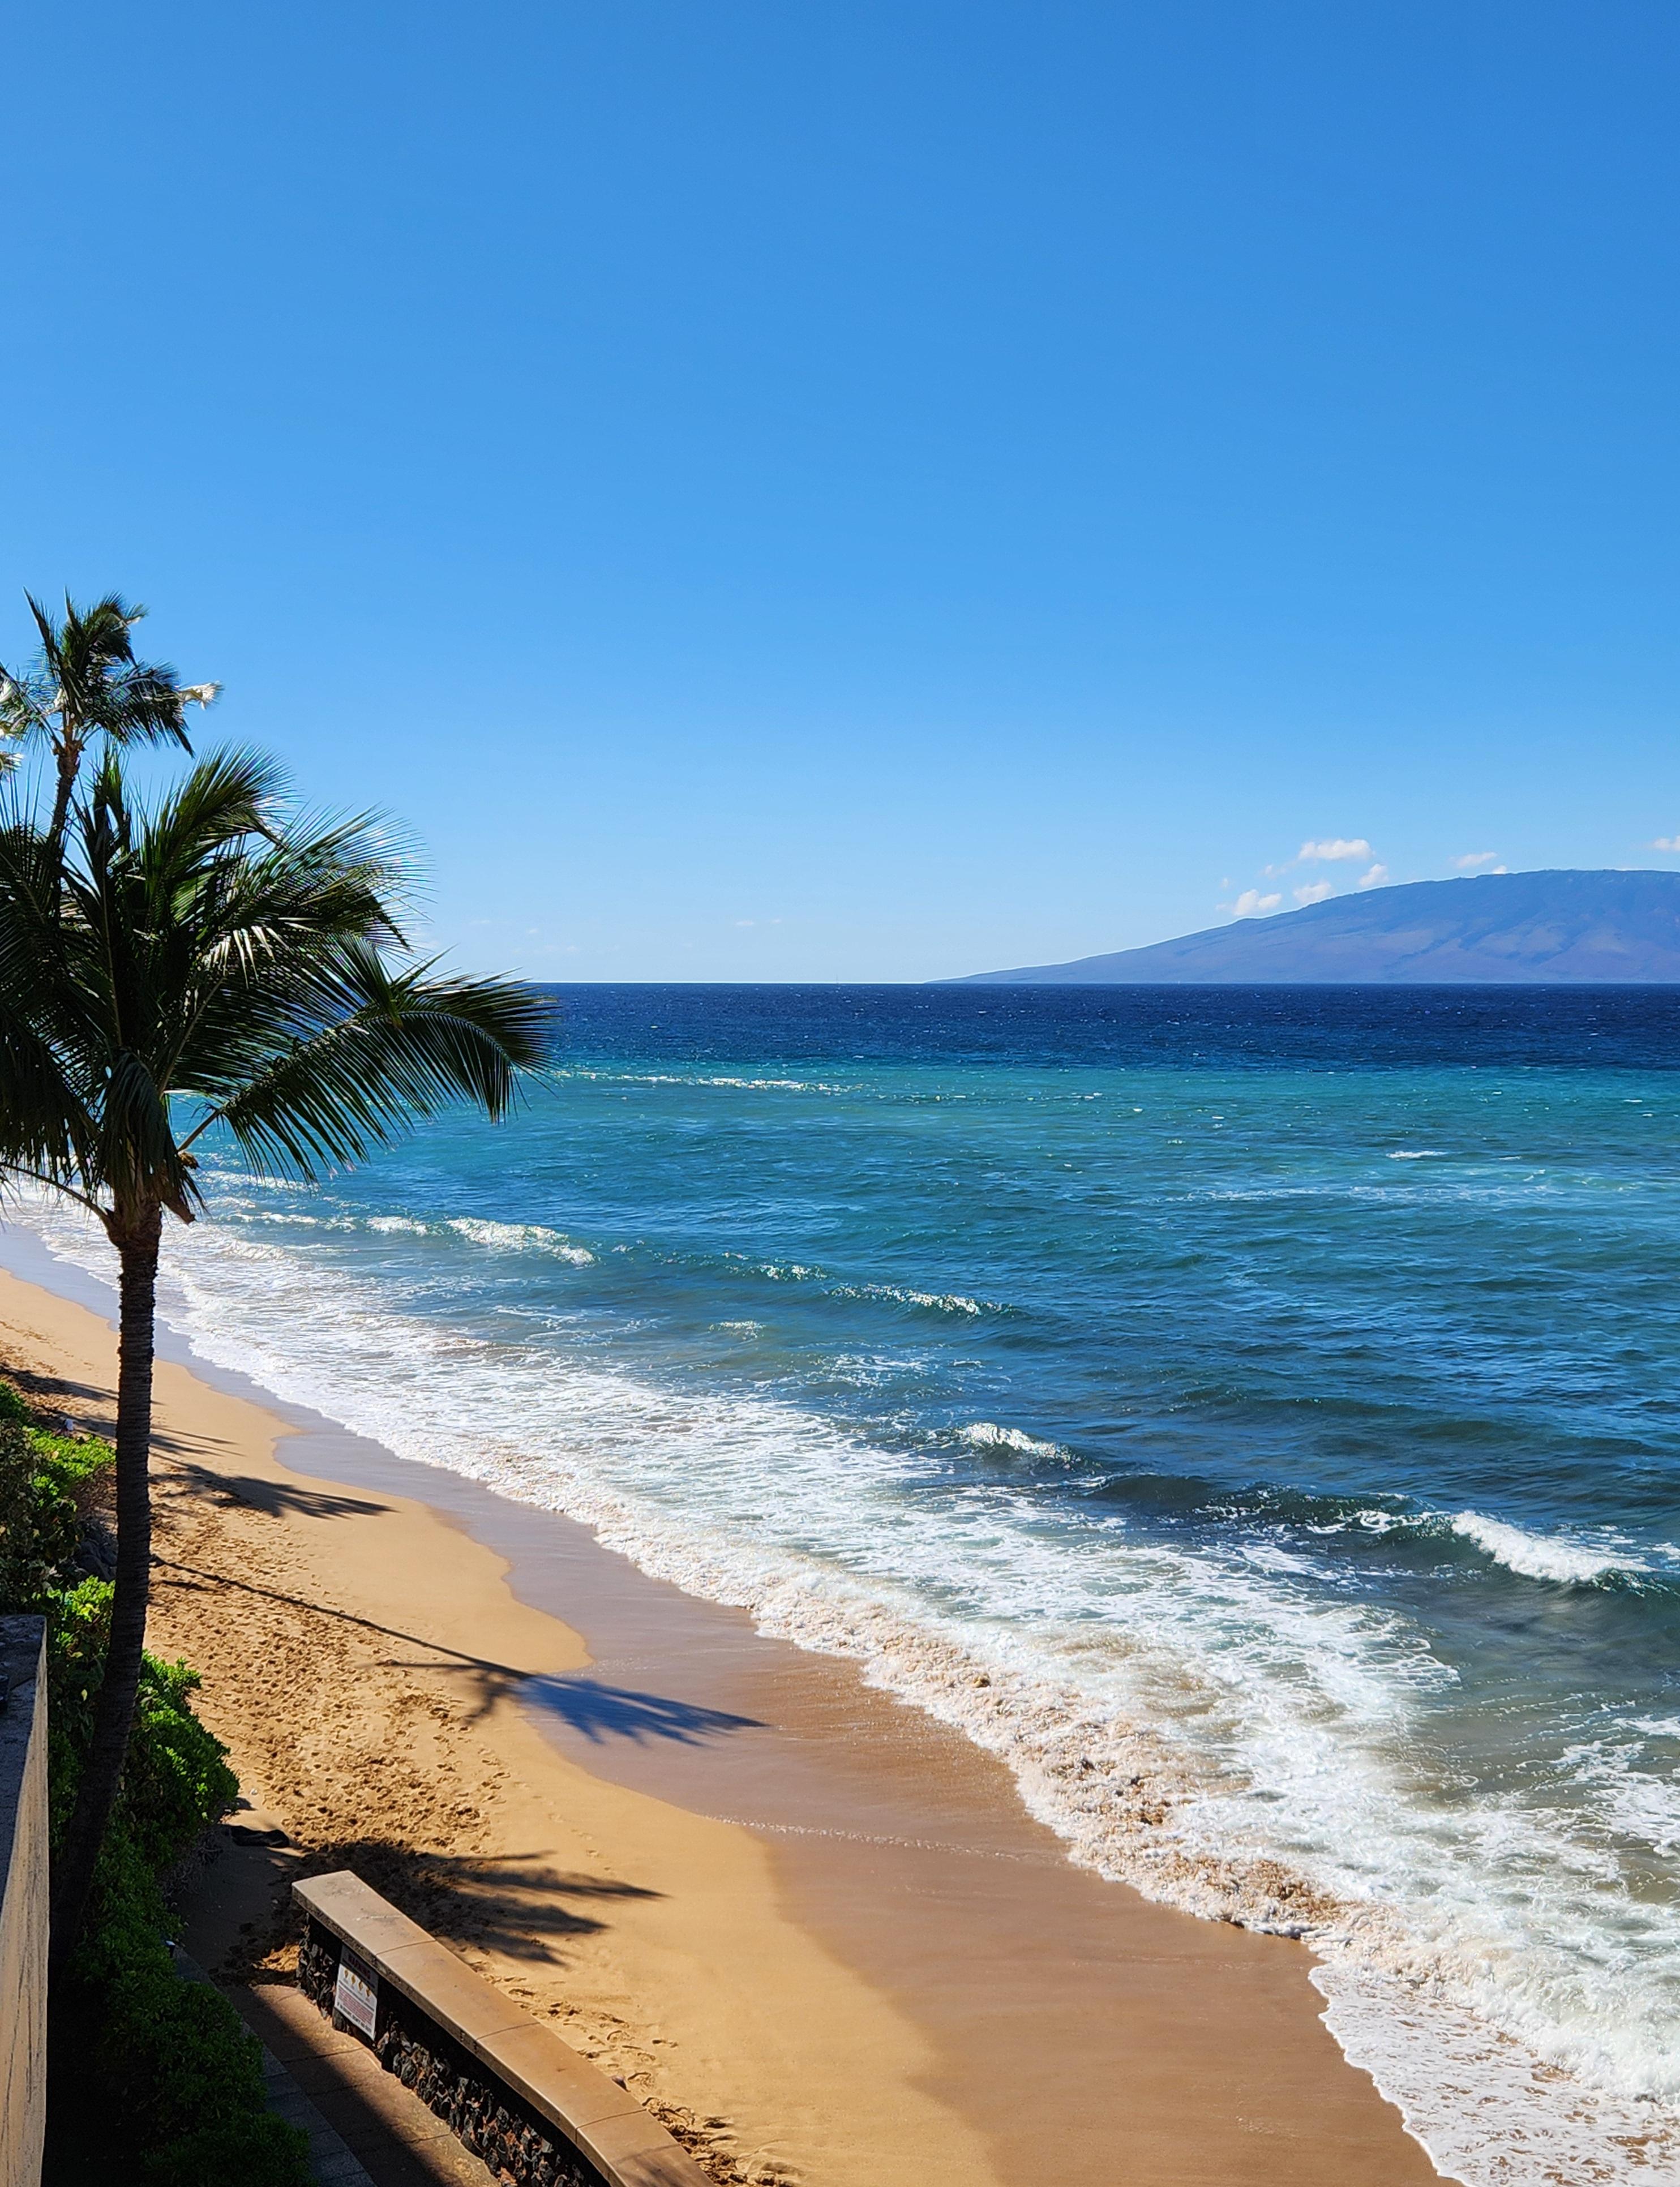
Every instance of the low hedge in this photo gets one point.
(153, 2079)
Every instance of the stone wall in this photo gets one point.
(23, 1902)
(520, 2097)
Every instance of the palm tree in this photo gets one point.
(209, 962)
(85, 682)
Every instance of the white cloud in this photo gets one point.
(1250, 904)
(1314, 892)
(1377, 878)
(1667, 843)
(1333, 847)
(1474, 861)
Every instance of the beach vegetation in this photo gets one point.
(154, 2079)
(213, 959)
(49, 1487)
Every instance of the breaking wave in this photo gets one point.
(521, 1237)
(1551, 1557)
(986, 1435)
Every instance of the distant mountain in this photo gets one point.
(1547, 927)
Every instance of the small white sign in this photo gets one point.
(356, 1995)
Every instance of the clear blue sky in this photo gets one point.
(868, 488)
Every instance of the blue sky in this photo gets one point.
(878, 489)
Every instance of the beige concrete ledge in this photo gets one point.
(603, 2122)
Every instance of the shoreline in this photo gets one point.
(865, 1954)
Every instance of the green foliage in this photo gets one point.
(217, 950)
(78, 1624)
(154, 2079)
(22, 1575)
(166, 2083)
(85, 682)
(178, 1779)
(48, 1485)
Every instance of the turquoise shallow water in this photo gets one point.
(1270, 1396)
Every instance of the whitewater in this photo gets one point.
(1247, 1415)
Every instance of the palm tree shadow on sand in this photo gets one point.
(585, 1705)
(601, 1712)
(518, 1905)
(521, 1906)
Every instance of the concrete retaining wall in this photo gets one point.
(23, 1901)
(511, 2089)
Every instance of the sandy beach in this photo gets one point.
(816, 1931)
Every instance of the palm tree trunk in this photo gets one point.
(70, 758)
(114, 1710)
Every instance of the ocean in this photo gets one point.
(1254, 1413)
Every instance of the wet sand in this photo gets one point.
(792, 1911)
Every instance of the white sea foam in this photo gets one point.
(1488, 2111)
(798, 1272)
(1370, 1520)
(1656, 1727)
(1544, 1556)
(1643, 1806)
(517, 1237)
(1418, 1153)
(1236, 1738)
(688, 1078)
(986, 1435)
(1560, 1560)
(939, 1302)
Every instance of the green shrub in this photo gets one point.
(154, 2079)
(49, 1484)
(165, 2082)
(177, 1781)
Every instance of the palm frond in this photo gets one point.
(85, 682)
(210, 950)
(395, 1046)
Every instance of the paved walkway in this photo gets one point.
(331, 2159)
(365, 2129)
(366, 2126)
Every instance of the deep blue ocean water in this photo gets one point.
(1273, 1394)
